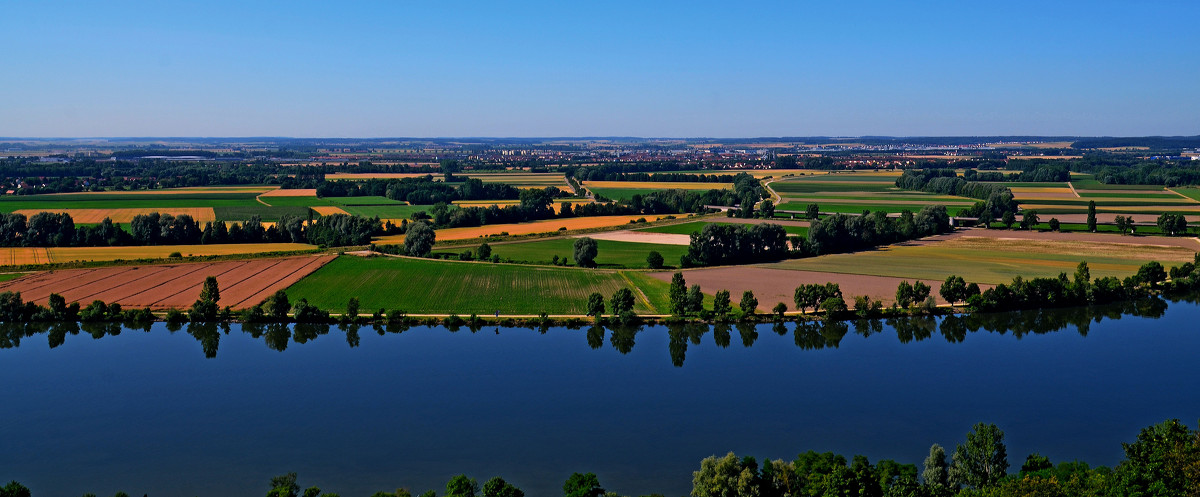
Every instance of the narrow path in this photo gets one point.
(260, 200)
(1181, 195)
(1073, 192)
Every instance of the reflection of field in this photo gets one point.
(543, 226)
(995, 259)
(38, 255)
(429, 286)
(93, 216)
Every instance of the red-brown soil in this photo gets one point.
(242, 283)
(771, 286)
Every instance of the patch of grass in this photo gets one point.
(12, 203)
(695, 226)
(429, 286)
(1190, 192)
(386, 211)
(364, 201)
(610, 254)
(266, 213)
(10, 276)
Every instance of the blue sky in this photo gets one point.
(671, 69)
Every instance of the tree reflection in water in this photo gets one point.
(807, 335)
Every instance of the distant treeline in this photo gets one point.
(424, 190)
(658, 177)
(1031, 173)
(50, 229)
(997, 198)
(1152, 142)
(843, 233)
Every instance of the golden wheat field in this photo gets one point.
(298, 192)
(39, 255)
(92, 216)
(328, 210)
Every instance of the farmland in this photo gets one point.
(10, 256)
(209, 204)
(543, 226)
(984, 256)
(610, 254)
(624, 190)
(243, 283)
(418, 285)
(696, 226)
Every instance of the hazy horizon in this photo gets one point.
(619, 69)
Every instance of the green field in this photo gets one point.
(296, 201)
(10, 276)
(386, 211)
(364, 201)
(11, 203)
(993, 260)
(851, 208)
(429, 286)
(610, 254)
(695, 226)
(271, 214)
(1097, 195)
(1191, 192)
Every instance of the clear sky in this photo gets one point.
(598, 68)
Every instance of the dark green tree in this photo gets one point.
(678, 294)
(1091, 216)
(695, 299)
(595, 306)
(497, 487)
(461, 486)
(621, 302)
(585, 252)
(812, 211)
(485, 251)
(583, 485)
(748, 304)
(1055, 225)
(284, 486)
(278, 305)
(982, 461)
(722, 303)
(419, 239)
(654, 260)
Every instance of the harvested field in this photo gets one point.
(995, 256)
(39, 255)
(93, 216)
(642, 237)
(297, 192)
(326, 210)
(543, 226)
(242, 283)
(772, 286)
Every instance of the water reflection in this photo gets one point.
(807, 335)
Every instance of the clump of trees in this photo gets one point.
(719, 244)
(842, 233)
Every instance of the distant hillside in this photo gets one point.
(1152, 142)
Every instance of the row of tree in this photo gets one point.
(843, 233)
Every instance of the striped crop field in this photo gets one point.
(431, 286)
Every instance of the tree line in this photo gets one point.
(843, 233)
(52, 229)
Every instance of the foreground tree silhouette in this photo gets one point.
(982, 460)
(583, 485)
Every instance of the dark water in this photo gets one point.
(359, 411)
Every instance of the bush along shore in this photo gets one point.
(1164, 460)
(811, 301)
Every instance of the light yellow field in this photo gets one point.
(557, 205)
(299, 192)
(543, 226)
(38, 255)
(1039, 189)
(91, 216)
(658, 185)
(328, 210)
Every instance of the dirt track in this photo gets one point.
(242, 283)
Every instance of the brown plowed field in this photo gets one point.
(242, 283)
(771, 286)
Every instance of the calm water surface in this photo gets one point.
(206, 411)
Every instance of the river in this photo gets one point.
(211, 410)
